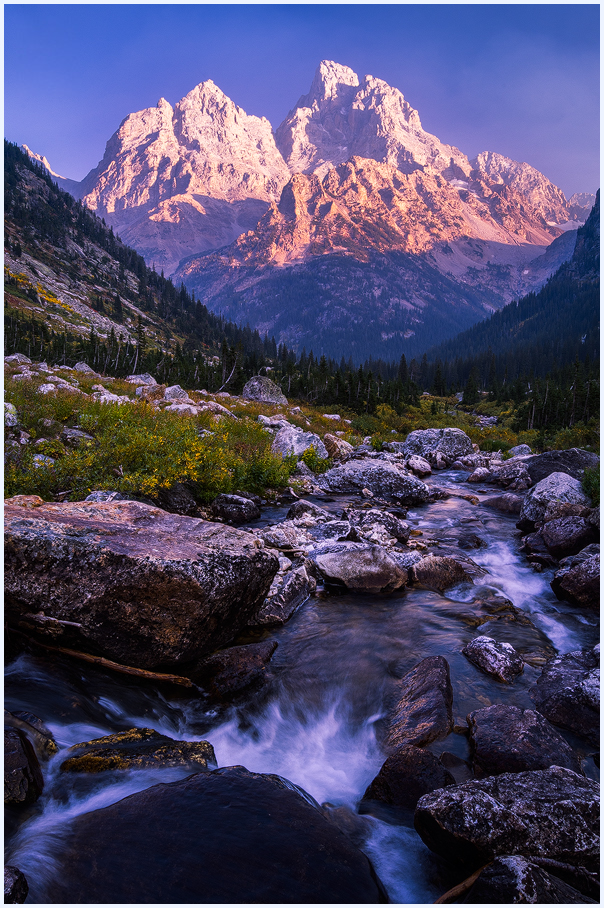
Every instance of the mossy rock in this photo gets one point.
(137, 748)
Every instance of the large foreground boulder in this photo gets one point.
(225, 837)
(552, 813)
(382, 478)
(138, 585)
(508, 739)
(568, 693)
(422, 711)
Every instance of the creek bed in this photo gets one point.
(315, 721)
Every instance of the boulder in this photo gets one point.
(558, 509)
(293, 589)
(368, 521)
(551, 813)
(450, 443)
(419, 466)
(514, 475)
(573, 462)
(568, 693)
(23, 781)
(222, 837)
(137, 748)
(359, 567)
(234, 509)
(84, 367)
(75, 437)
(232, 670)
(578, 578)
(336, 530)
(301, 508)
(555, 487)
(508, 503)
(15, 886)
(103, 495)
(337, 448)
(34, 730)
(437, 573)
(512, 880)
(284, 536)
(10, 416)
(381, 478)
(178, 499)
(407, 775)
(292, 440)
(423, 709)
(520, 451)
(263, 389)
(567, 536)
(135, 584)
(508, 739)
(19, 358)
(498, 659)
(175, 392)
(144, 379)
(536, 551)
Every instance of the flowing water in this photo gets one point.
(317, 721)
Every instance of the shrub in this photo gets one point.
(591, 484)
(314, 462)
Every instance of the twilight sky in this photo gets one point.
(519, 79)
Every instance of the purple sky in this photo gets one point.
(522, 80)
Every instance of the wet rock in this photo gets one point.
(284, 536)
(232, 670)
(508, 503)
(449, 443)
(405, 559)
(263, 389)
(15, 886)
(513, 880)
(552, 813)
(573, 462)
(337, 448)
(578, 578)
(369, 521)
(407, 775)
(262, 843)
(336, 530)
(536, 550)
(594, 518)
(508, 739)
(294, 588)
(513, 475)
(436, 573)
(23, 782)
(234, 509)
(138, 585)
(360, 567)
(302, 507)
(292, 440)
(423, 711)
(481, 474)
(137, 748)
(568, 693)
(387, 480)
(555, 487)
(567, 536)
(34, 730)
(498, 659)
(419, 466)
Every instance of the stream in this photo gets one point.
(315, 721)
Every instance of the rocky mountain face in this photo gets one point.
(349, 173)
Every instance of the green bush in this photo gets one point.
(314, 462)
(591, 484)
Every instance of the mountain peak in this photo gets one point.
(329, 78)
